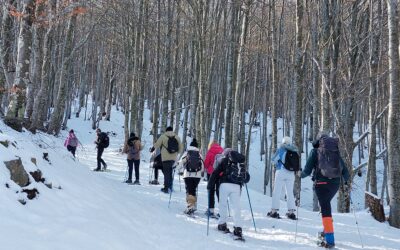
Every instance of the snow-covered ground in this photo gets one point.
(95, 210)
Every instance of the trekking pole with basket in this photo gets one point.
(251, 209)
(208, 214)
(297, 214)
(172, 185)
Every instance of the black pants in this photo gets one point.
(157, 166)
(130, 166)
(214, 191)
(100, 161)
(167, 171)
(191, 185)
(325, 192)
(71, 149)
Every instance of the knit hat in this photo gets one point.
(194, 143)
(287, 140)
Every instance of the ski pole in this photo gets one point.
(208, 214)
(358, 229)
(171, 188)
(251, 209)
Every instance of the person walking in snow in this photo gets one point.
(328, 170)
(71, 142)
(170, 145)
(133, 157)
(191, 167)
(213, 149)
(156, 165)
(283, 178)
(102, 142)
(234, 176)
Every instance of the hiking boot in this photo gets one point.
(164, 190)
(223, 228)
(326, 245)
(273, 215)
(189, 211)
(291, 216)
(209, 212)
(136, 182)
(128, 181)
(154, 182)
(237, 231)
(97, 169)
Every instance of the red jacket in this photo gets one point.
(210, 157)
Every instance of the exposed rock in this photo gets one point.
(18, 173)
(5, 143)
(31, 193)
(33, 160)
(14, 123)
(37, 176)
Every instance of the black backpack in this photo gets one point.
(172, 145)
(193, 161)
(104, 140)
(292, 161)
(236, 172)
(329, 157)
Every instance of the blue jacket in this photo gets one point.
(280, 155)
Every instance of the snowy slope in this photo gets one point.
(95, 210)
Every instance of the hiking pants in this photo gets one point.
(283, 178)
(191, 184)
(167, 171)
(100, 161)
(214, 191)
(130, 165)
(71, 149)
(325, 192)
(231, 191)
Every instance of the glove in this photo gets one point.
(152, 149)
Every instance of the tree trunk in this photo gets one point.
(393, 134)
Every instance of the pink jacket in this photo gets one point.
(71, 140)
(210, 157)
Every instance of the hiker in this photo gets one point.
(233, 178)
(102, 142)
(213, 149)
(328, 170)
(71, 142)
(156, 165)
(284, 177)
(170, 145)
(191, 167)
(133, 157)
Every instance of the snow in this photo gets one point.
(95, 210)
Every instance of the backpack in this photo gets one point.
(104, 140)
(292, 161)
(329, 157)
(73, 141)
(193, 161)
(172, 145)
(236, 172)
(218, 159)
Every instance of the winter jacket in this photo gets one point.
(134, 148)
(280, 155)
(311, 165)
(71, 140)
(210, 157)
(162, 143)
(221, 168)
(182, 165)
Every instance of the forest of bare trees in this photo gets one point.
(215, 68)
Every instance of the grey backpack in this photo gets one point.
(329, 157)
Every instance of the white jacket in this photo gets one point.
(182, 165)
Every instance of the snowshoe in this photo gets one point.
(154, 182)
(211, 214)
(128, 181)
(189, 211)
(324, 244)
(291, 216)
(136, 182)
(223, 228)
(237, 233)
(164, 190)
(273, 215)
(97, 169)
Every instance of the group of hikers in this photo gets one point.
(226, 173)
